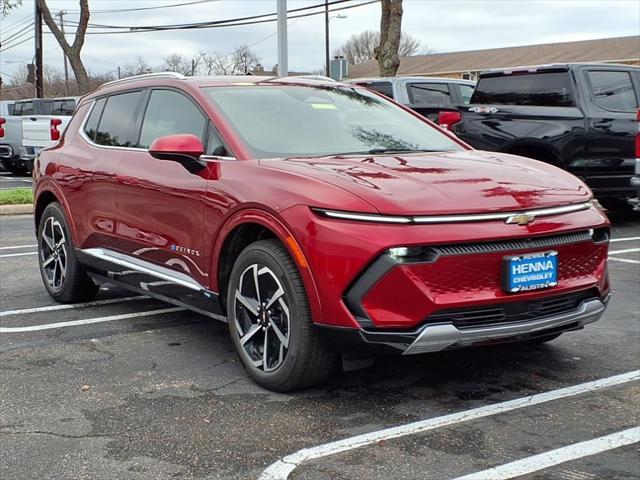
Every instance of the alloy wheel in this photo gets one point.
(53, 253)
(262, 317)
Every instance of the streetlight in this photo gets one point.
(327, 19)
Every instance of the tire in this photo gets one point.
(8, 166)
(65, 279)
(295, 357)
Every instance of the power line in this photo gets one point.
(20, 33)
(147, 8)
(16, 44)
(223, 23)
(18, 23)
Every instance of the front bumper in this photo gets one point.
(447, 336)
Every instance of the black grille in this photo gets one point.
(503, 246)
(463, 318)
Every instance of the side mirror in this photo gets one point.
(184, 149)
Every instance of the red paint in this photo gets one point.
(127, 200)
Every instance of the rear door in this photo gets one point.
(611, 99)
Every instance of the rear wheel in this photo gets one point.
(270, 320)
(63, 276)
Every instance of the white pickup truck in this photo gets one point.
(40, 123)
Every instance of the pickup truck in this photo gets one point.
(10, 135)
(425, 95)
(580, 117)
(33, 124)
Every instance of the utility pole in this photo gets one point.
(283, 60)
(39, 63)
(61, 14)
(119, 74)
(326, 39)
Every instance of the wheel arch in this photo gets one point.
(249, 226)
(535, 149)
(46, 195)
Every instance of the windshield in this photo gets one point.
(303, 121)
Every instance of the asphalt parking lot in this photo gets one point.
(9, 181)
(130, 388)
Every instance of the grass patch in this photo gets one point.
(16, 196)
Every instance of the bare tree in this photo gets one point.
(386, 52)
(72, 51)
(176, 62)
(244, 59)
(216, 63)
(360, 47)
(7, 5)
(138, 66)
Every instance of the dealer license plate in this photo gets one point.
(530, 271)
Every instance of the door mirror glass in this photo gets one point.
(184, 149)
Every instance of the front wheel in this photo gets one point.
(64, 277)
(270, 320)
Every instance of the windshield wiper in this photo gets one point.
(379, 151)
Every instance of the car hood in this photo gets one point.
(443, 183)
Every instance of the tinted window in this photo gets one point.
(286, 121)
(466, 91)
(44, 107)
(24, 108)
(10, 108)
(63, 107)
(115, 124)
(91, 125)
(429, 93)
(384, 88)
(540, 89)
(613, 90)
(170, 113)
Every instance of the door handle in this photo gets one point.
(603, 125)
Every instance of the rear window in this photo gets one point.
(466, 91)
(550, 89)
(63, 107)
(23, 108)
(429, 93)
(613, 90)
(384, 88)
(115, 124)
(91, 125)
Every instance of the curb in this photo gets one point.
(16, 209)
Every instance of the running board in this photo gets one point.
(143, 266)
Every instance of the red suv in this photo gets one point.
(315, 218)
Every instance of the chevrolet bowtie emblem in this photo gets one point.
(521, 219)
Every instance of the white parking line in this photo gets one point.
(626, 250)
(87, 321)
(50, 308)
(281, 469)
(16, 247)
(18, 254)
(624, 239)
(558, 456)
(624, 260)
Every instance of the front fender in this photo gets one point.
(276, 225)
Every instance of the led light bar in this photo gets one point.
(432, 219)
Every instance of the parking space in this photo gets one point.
(9, 181)
(127, 387)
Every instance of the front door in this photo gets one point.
(160, 203)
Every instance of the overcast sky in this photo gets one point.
(442, 25)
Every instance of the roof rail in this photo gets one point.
(143, 76)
